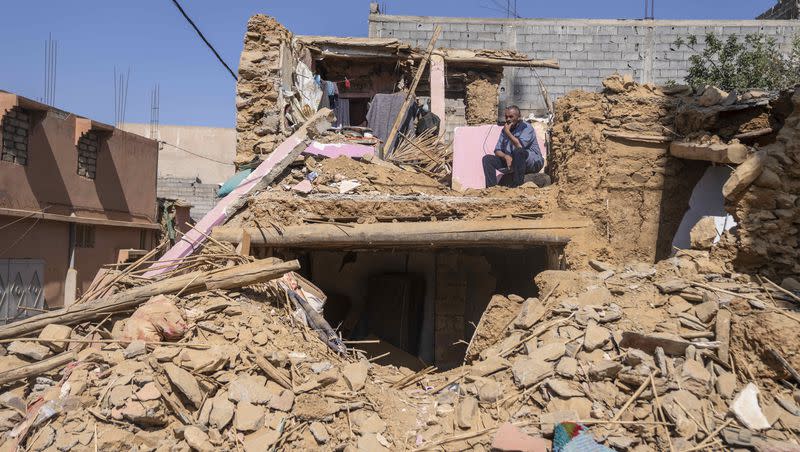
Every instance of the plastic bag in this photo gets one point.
(157, 320)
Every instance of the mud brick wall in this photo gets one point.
(588, 50)
(633, 190)
(15, 127)
(258, 100)
(767, 240)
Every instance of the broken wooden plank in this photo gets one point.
(228, 278)
(389, 145)
(265, 174)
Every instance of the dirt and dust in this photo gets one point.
(756, 334)
(249, 374)
(482, 97)
(385, 193)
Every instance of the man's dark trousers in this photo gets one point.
(492, 163)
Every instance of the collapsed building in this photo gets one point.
(453, 319)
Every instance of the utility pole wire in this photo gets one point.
(186, 16)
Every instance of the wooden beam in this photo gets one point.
(507, 233)
(243, 248)
(389, 145)
(437, 72)
(228, 278)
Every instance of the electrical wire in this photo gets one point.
(22, 236)
(186, 16)
(195, 154)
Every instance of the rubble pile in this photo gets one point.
(370, 191)
(763, 195)
(630, 156)
(643, 356)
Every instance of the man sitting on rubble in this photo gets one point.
(516, 152)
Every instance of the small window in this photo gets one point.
(15, 128)
(88, 144)
(84, 236)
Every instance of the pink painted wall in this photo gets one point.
(471, 143)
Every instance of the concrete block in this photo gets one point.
(475, 27)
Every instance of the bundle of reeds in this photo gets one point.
(426, 153)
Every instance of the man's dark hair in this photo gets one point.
(514, 108)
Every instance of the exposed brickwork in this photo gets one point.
(202, 197)
(588, 50)
(88, 145)
(16, 125)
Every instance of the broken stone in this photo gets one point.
(145, 414)
(490, 392)
(567, 367)
(604, 369)
(119, 395)
(283, 402)
(261, 440)
(529, 371)
(548, 352)
(726, 385)
(197, 439)
(10, 400)
(51, 334)
(744, 175)
(249, 417)
(671, 286)
(30, 350)
(203, 361)
(465, 412)
(185, 383)
(251, 389)
(706, 311)
(703, 234)
(148, 392)
(712, 96)
(695, 378)
(595, 337)
(222, 411)
(134, 349)
(747, 410)
(531, 313)
(355, 374)
(563, 388)
(165, 354)
(791, 284)
(319, 432)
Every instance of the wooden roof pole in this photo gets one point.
(387, 146)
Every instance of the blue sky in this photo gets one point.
(153, 40)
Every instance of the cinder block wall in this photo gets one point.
(785, 9)
(588, 50)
